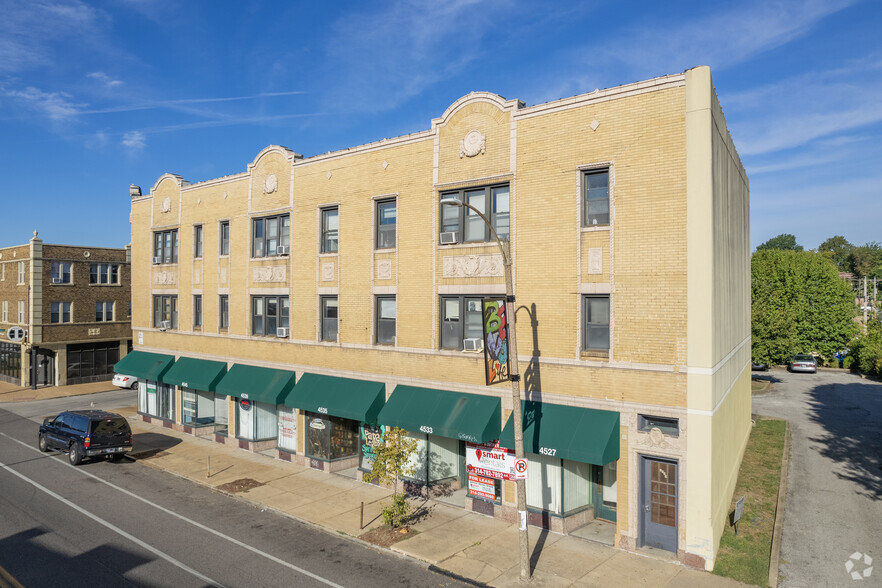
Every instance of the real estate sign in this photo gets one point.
(490, 460)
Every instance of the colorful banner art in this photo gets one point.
(496, 365)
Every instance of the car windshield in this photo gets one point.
(803, 358)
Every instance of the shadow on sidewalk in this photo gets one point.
(147, 445)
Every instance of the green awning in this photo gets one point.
(257, 384)
(199, 374)
(359, 400)
(144, 365)
(585, 435)
(440, 412)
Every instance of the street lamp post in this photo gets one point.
(515, 376)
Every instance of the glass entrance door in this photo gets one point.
(605, 492)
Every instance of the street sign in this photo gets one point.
(16, 334)
(520, 469)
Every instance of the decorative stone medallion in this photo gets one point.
(473, 266)
(164, 278)
(595, 260)
(384, 269)
(327, 272)
(269, 273)
(166, 205)
(473, 144)
(271, 184)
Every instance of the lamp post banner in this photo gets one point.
(496, 358)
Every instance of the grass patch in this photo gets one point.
(745, 557)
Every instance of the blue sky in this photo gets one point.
(95, 96)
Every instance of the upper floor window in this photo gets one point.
(330, 229)
(2, 272)
(21, 311)
(329, 318)
(197, 241)
(465, 225)
(60, 312)
(595, 201)
(5, 317)
(223, 311)
(461, 319)
(595, 322)
(61, 272)
(197, 310)
(165, 311)
(104, 273)
(268, 313)
(386, 316)
(268, 234)
(165, 246)
(21, 272)
(224, 236)
(104, 311)
(387, 216)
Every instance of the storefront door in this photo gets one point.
(605, 492)
(658, 503)
(44, 367)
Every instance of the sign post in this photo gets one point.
(736, 516)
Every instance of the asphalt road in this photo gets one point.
(123, 524)
(834, 497)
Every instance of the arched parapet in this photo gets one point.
(178, 181)
(474, 98)
(270, 150)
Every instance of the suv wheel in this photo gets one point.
(42, 443)
(75, 455)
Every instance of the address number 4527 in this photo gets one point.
(547, 450)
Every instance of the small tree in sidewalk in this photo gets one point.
(392, 462)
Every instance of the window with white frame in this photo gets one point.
(59, 312)
(104, 273)
(595, 197)
(386, 316)
(329, 318)
(224, 238)
(197, 241)
(61, 272)
(165, 310)
(21, 311)
(5, 311)
(165, 246)
(330, 230)
(595, 322)
(468, 227)
(2, 272)
(387, 218)
(104, 311)
(268, 313)
(461, 318)
(21, 272)
(268, 233)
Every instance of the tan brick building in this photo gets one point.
(296, 304)
(73, 307)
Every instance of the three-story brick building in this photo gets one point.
(306, 302)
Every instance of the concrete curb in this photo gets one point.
(775, 557)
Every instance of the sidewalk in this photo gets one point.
(466, 544)
(15, 393)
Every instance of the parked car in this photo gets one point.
(758, 367)
(803, 363)
(124, 381)
(86, 433)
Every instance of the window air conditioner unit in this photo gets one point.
(282, 332)
(164, 325)
(57, 281)
(448, 238)
(157, 260)
(473, 344)
(282, 250)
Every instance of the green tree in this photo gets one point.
(866, 260)
(800, 305)
(866, 350)
(391, 463)
(783, 241)
(839, 250)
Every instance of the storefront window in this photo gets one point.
(287, 429)
(258, 421)
(371, 437)
(330, 438)
(157, 399)
(436, 459)
(197, 407)
(558, 486)
(221, 413)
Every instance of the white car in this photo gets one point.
(124, 381)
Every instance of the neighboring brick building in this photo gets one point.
(628, 215)
(74, 305)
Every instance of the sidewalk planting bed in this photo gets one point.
(746, 557)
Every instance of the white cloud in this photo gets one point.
(57, 106)
(105, 79)
(134, 140)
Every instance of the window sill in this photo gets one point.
(470, 245)
(329, 254)
(595, 354)
(595, 228)
(90, 285)
(51, 283)
(270, 257)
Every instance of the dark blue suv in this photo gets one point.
(87, 433)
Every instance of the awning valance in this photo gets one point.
(144, 365)
(457, 415)
(199, 374)
(257, 384)
(585, 435)
(359, 400)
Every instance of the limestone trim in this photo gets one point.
(216, 181)
(703, 371)
(722, 400)
(473, 266)
(466, 289)
(179, 182)
(384, 290)
(473, 97)
(283, 151)
(368, 147)
(459, 184)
